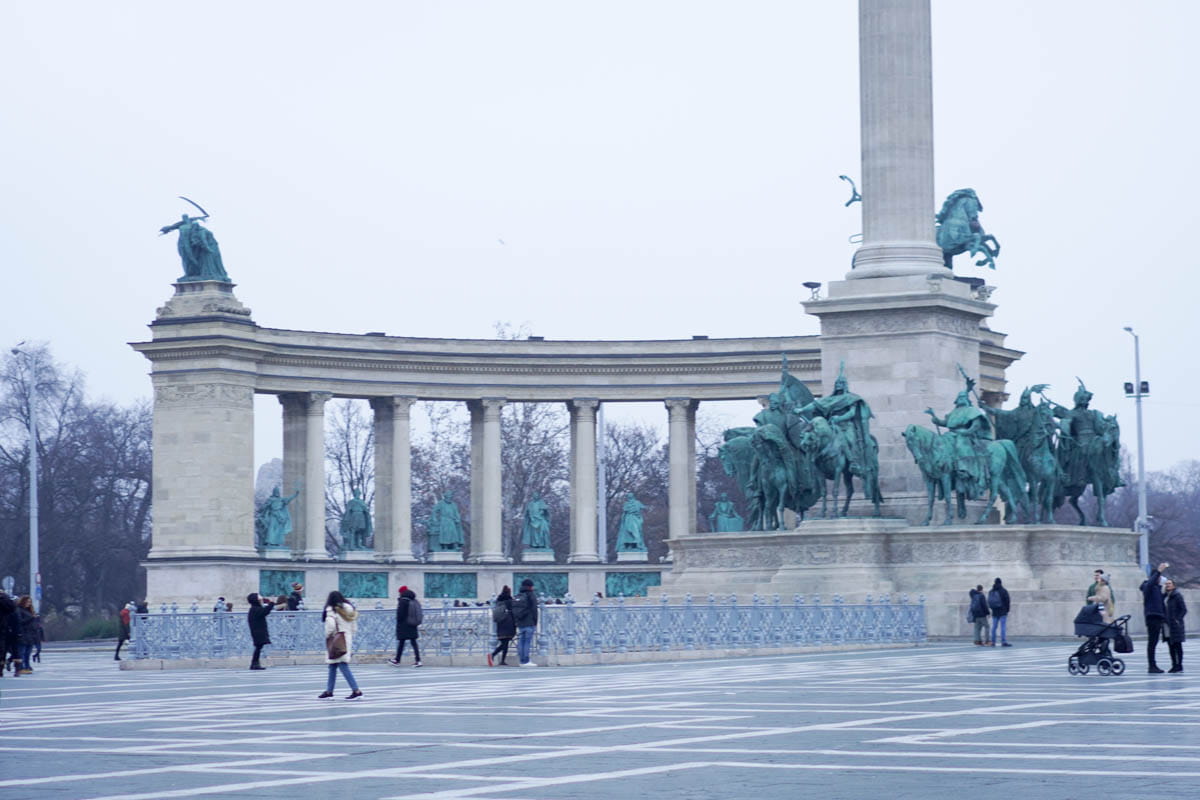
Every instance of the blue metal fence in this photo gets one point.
(603, 626)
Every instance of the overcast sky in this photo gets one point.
(654, 170)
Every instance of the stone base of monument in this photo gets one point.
(1046, 568)
(632, 556)
(537, 557)
(444, 557)
(359, 555)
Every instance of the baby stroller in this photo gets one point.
(1102, 639)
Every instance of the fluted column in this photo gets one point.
(314, 475)
(681, 473)
(583, 481)
(896, 108)
(491, 501)
(393, 477)
(295, 450)
(475, 408)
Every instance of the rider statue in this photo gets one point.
(850, 417)
(1020, 424)
(971, 432)
(1089, 452)
(959, 231)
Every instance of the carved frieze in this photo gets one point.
(900, 321)
(204, 394)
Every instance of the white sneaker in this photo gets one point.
(529, 664)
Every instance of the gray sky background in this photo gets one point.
(655, 170)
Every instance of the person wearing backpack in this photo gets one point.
(525, 615)
(408, 619)
(998, 604)
(977, 614)
(506, 626)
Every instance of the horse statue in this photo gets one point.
(740, 463)
(959, 231)
(831, 457)
(777, 476)
(1004, 477)
(1041, 466)
(1100, 458)
(934, 456)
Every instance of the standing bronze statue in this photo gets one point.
(1089, 452)
(197, 248)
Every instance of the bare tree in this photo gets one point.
(636, 462)
(349, 464)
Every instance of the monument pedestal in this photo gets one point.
(632, 556)
(1046, 568)
(537, 557)
(445, 557)
(359, 556)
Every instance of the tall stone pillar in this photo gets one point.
(295, 454)
(681, 419)
(691, 460)
(896, 110)
(583, 481)
(313, 492)
(393, 478)
(491, 535)
(475, 408)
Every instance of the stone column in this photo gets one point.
(583, 481)
(475, 407)
(682, 473)
(393, 478)
(295, 448)
(691, 460)
(313, 492)
(491, 535)
(896, 110)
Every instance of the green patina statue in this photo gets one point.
(959, 231)
(536, 533)
(356, 524)
(798, 444)
(198, 249)
(445, 525)
(848, 448)
(629, 534)
(273, 523)
(967, 459)
(724, 518)
(1089, 452)
(1032, 429)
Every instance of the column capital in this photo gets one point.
(492, 405)
(316, 401)
(584, 403)
(678, 405)
(400, 405)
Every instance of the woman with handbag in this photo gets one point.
(341, 621)
(506, 626)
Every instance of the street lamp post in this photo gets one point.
(1142, 525)
(35, 578)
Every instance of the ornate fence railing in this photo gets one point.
(603, 626)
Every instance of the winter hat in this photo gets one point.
(527, 584)
(297, 586)
(402, 590)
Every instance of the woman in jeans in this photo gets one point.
(340, 616)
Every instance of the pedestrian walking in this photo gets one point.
(525, 615)
(25, 636)
(296, 598)
(9, 648)
(341, 622)
(1173, 631)
(1155, 611)
(1102, 595)
(409, 616)
(123, 636)
(978, 614)
(998, 604)
(256, 618)
(506, 626)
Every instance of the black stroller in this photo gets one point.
(1097, 650)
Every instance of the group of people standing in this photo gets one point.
(995, 603)
(1164, 609)
(515, 617)
(21, 634)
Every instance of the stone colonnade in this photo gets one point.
(395, 535)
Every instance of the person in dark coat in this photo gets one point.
(8, 630)
(25, 635)
(998, 604)
(1176, 611)
(125, 618)
(408, 620)
(1155, 611)
(525, 614)
(295, 598)
(978, 614)
(256, 617)
(506, 626)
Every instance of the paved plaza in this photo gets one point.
(938, 721)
